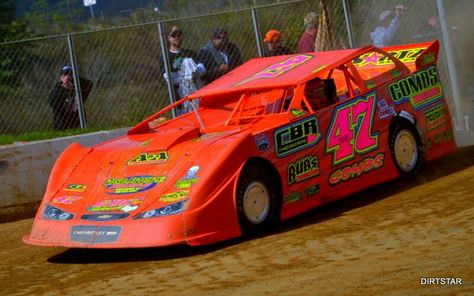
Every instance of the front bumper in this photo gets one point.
(160, 231)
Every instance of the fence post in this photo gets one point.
(77, 84)
(166, 62)
(347, 16)
(256, 28)
(451, 66)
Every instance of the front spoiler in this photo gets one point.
(152, 232)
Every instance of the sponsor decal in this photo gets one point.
(428, 59)
(370, 84)
(438, 138)
(182, 184)
(375, 58)
(297, 112)
(66, 199)
(292, 197)
(303, 169)
(149, 158)
(280, 68)
(132, 184)
(104, 217)
(395, 73)
(75, 187)
(350, 131)
(420, 89)
(189, 179)
(192, 172)
(296, 136)
(383, 113)
(116, 205)
(95, 234)
(385, 110)
(262, 141)
(311, 190)
(435, 116)
(448, 135)
(355, 170)
(174, 196)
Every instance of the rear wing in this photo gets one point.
(414, 56)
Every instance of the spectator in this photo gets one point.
(63, 100)
(307, 40)
(274, 47)
(384, 34)
(429, 30)
(185, 79)
(219, 55)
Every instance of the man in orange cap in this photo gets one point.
(274, 47)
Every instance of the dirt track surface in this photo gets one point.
(379, 241)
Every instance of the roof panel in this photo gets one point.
(272, 72)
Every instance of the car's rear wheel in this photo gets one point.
(405, 145)
(257, 203)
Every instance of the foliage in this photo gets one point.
(9, 29)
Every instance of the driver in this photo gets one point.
(317, 94)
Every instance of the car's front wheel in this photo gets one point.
(257, 203)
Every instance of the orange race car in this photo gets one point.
(272, 139)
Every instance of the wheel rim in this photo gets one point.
(406, 150)
(256, 202)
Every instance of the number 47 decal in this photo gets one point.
(350, 131)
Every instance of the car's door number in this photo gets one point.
(350, 131)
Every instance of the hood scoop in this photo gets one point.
(171, 137)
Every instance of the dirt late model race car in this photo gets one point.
(271, 139)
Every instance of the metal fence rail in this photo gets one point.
(124, 63)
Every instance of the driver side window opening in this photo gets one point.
(319, 93)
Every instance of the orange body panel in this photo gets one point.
(175, 181)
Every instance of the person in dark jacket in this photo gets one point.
(177, 55)
(219, 55)
(63, 100)
(274, 47)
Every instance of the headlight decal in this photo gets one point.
(167, 210)
(53, 213)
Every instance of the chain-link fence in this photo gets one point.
(124, 63)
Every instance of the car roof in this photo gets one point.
(273, 72)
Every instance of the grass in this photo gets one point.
(43, 135)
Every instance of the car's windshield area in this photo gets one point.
(253, 106)
(226, 110)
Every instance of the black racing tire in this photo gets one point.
(406, 148)
(257, 199)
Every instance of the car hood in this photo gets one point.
(134, 173)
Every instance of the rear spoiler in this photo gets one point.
(417, 55)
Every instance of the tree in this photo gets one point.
(10, 28)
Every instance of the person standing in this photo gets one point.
(307, 40)
(185, 71)
(64, 102)
(274, 46)
(384, 33)
(219, 55)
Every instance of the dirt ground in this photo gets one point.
(382, 241)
